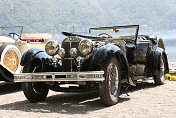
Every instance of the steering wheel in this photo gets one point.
(14, 35)
(109, 36)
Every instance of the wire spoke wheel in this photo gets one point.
(113, 79)
(159, 78)
(109, 89)
(162, 68)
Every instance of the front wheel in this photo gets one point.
(34, 91)
(160, 74)
(109, 89)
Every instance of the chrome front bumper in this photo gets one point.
(59, 76)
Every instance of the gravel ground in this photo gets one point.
(145, 100)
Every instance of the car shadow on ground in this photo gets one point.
(9, 87)
(70, 103)
(142, 85)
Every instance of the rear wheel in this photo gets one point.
(34, 91)
(159, 78)
(109, 89)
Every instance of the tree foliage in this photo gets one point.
(55, 16)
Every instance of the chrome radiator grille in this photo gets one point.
(67, 63)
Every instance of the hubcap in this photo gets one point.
(11, 60)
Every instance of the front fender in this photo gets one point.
(159, 53)
(107, 51)
(32, 54)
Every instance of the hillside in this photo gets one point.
(57, 15)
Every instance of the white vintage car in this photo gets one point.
(13, 45)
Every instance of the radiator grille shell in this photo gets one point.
(67, 44)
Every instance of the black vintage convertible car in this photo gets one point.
(105, 59)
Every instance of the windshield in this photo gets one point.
(117, 32)
(14, 31)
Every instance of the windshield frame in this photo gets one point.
(118, 27)
(20, 27)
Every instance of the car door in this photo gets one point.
(142, 46)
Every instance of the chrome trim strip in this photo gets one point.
(51, 76)
(59, 80)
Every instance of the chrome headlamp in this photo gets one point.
(85, 46)
(73, 52)
(61, 52)
(51, 48)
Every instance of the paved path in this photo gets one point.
(145, 101)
